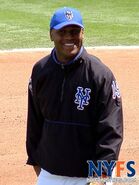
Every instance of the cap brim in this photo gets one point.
(59, 26)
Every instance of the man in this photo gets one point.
(74, 107)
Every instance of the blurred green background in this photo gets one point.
(25, 23)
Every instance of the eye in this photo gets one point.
(75, 31)
(61, 32)
(72, 32)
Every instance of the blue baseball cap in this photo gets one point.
(64, 17)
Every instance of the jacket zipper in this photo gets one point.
(62, 87)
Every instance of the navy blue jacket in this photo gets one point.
(74, 115)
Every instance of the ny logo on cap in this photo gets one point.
(69, 15)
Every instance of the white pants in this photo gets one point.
(46, 178)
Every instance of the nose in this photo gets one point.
(68, 34)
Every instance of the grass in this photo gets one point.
(25, 23)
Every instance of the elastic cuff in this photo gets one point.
(31, 162)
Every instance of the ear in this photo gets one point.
(51, 35)
(82, 33)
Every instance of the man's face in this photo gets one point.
(68, 42)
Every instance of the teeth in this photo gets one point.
(69, 44)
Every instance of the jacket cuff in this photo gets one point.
(31, 162)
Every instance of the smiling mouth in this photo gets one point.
(69, 44)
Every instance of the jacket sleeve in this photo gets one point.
(34, 125)
(109, 129)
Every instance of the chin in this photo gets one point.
(74, 51)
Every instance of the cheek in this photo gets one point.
(57, 39)
(57, 42)
(54, 36)
(82, 36)
(81, 40)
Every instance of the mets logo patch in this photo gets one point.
(82, 97)
(115, 90)
(69, 15)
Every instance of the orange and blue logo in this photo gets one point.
(119, 167)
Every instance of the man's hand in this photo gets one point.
(37, 170)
